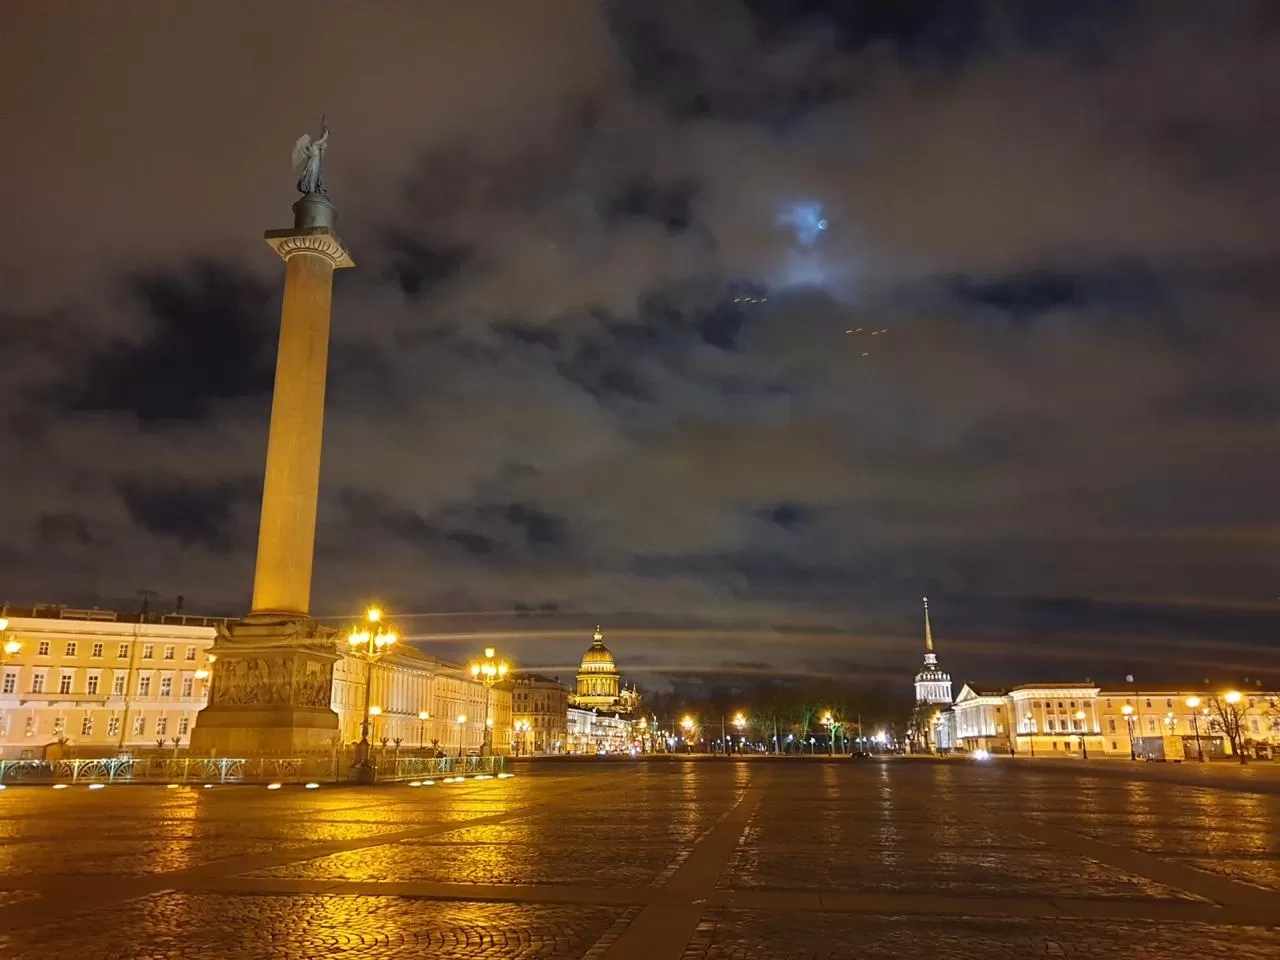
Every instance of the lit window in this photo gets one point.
(113, 727)
(122, 652)
(184, 724)
(43, 649)
(117, 685)
(59, 726)
(169, 651)
(64, 682)
(139, 725)
(86, 726)
(144, 686)
(37, 683)
(162, 726)
(166, 686)
(96, 650)
(71, 648)
(10, 682)
(91, 684)
(187, 686)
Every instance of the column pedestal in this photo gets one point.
(271, 693)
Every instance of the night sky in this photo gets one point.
(737, 326)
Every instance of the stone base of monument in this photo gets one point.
(271, 689)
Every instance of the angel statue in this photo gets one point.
(310, 153)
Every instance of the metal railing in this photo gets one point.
(393, 768)
(181, 769)
(130, 769)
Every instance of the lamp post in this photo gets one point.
(740, 721)
(1127, 710)
(1084, 750)
(462, 720)
(423, 717)
(489, 671)
(370, 641)
(522, 729)
(829, 722)
(687, 724)
(1031, 722)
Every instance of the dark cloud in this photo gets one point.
(737, 329)
(206, 338)
(193, 514)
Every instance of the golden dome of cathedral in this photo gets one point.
(598, 658)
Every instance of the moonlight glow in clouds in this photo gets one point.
(806, 219)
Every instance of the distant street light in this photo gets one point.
(1127, 710)
(1084, 750)
(1192, 703)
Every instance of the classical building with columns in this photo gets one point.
(406, 684)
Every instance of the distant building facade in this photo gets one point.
(593, 732)
(98, 682)
(539, 712)
(1071, 719)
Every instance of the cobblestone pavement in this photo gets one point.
(661, 860)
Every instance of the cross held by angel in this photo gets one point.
(309, 154)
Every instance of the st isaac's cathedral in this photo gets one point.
(599, 683)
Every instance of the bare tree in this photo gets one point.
(1226, 714)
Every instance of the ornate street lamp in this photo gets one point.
(462, 721)
(492, 669)
(1084, 749)
(423, 717)
(370, 641)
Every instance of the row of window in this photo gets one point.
(87, 725)
(122, 651)
(1048, 704)
(92, 684)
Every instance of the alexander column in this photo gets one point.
(273, 677)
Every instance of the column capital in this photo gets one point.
(321, 241)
